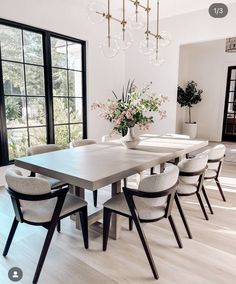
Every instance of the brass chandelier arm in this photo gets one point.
(157, 35)
(108, 23)
(137, 4)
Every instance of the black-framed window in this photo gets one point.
(42, 89)
(229, 125)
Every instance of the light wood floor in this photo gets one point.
(209, 258)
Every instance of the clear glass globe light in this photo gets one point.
(156, 60)
(109, 48)
(147, 47)
(165, 40)
(125, 40)
(95, 11)
(136, 22)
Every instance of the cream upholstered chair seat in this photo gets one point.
(43, 213)
(210, 173)
(183, 188)
(215, 153)
(191, 179)
(81, 142)
(119, 203)
(39, 211)
(151, 202)
(41, 149)
(35, 203)
(215, 161)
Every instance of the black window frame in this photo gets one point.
(227, 136)
(48, 80)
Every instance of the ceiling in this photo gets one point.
(169, 8)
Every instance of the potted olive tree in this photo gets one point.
(187, 98)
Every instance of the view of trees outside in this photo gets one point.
(24, 89)
(67, 90)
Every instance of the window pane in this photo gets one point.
(60, 87)
(62, 135)
(76, 131)
(35, 80)
(17, 143)
(15, 111)
(36, 111)
(75, 105)
(33, 49)
(58, 50)
(11, 43)
(60, 106)
(232, 85)
(233, 74)
(13, 78)
(231, 97)
(74, 56)
(37, 136)
(75, 84)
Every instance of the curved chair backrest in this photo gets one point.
(177, 136)
(109, 137)
(40, 149)
(194, 168)
(83, 142)
(215, 156)
(154, 190)
(26, 185)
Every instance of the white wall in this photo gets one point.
(207, 64)
(69, 17)
(185, 29)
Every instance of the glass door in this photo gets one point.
(23, 89)
(229, 127)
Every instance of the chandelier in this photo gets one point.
(230, 44)
(153, 40)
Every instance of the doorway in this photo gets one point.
(229, 126)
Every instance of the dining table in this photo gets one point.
(96, 166)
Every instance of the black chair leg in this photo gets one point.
(130, 224)
(10, 237)
(207, 199)
(125, 182)
(59, 226)
(220, 189)
(84, 225)
(44, 251)
(152, 171)
(181, 212)
(146, 248)
(106, 226)
(95, 198)
(202, 205)
(174, 229)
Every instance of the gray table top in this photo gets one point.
(97, 165)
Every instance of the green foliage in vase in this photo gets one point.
(189, 97)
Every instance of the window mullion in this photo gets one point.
(48, 87)
(3, 127)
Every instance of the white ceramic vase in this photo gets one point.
(130, 141)
(190, 129)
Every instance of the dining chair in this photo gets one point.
(214, 165)
(36, 204)
(54, 183)
(150, 203)
(41, 149)
(83, 142)
(191, 179)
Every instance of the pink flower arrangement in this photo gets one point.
(131, 109)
